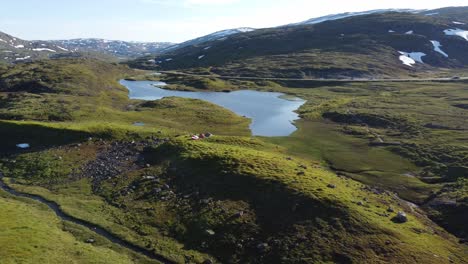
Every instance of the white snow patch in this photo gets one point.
(169, 59)
(207, 48)
(437, 46)
(391, 31)
(201, 57)
(431, 14)
(407, 61)
(409, 32)
(152, 61)
(64, 49)
(3, 40)
(23, 146)
(8, 51)
(410, 58)
(44, 49)
(25, 58)
(458, 23)
(457, 32)
(19, 46)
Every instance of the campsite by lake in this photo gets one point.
(272, 113)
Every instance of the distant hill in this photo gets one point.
(117, 48)
(381, 44)
(217, 36)
(15, 50)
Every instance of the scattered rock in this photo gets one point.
(239, 214)
(401, 217)
(332, 186)
(361, 203)
(90, 241)
(390, 210)
(210, 232)
(263, 247)
(205, 201)
(208, 261)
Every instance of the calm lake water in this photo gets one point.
(271, 113)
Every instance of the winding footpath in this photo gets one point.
(98, 230)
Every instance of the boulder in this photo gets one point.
(263, 247)
(210, 232)
(401, 217)
(239, 214)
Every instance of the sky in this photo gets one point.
(172, 20)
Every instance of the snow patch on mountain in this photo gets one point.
(437, 48)
(409, 32)
(410, 58)
(44, 49)
(62, 48)
(24, 58)
(458, 23)
(457, 32)
(201, 57)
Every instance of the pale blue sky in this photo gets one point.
(172, 20)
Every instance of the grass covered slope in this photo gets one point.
(297, 202)
(237, 199)
(85, 95)
(30, 233)
(228, 199)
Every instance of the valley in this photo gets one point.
(243, 146)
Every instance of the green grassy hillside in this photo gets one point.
(322, 195)
(32, 234)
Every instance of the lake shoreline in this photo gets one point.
(272, 113)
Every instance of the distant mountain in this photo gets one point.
(121, 49)
(374, 45)
(13, 49)
(217, 36)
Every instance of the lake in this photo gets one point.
(272, 113)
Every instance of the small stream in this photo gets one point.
(98, 230)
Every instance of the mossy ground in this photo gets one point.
(31, 233)
(282, 186)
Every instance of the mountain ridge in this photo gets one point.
(346, 47)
